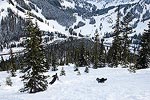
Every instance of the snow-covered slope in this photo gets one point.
(79, 16)
(120, 85)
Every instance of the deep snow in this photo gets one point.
(121, 85)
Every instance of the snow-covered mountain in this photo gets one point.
(70, 17)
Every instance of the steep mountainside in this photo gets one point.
(70, 17)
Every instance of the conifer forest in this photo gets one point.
(74, 49)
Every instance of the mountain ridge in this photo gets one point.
(77, 17)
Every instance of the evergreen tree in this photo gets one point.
(66, 56)
(12, 66)
(88, 58)
(102, 54)
(143, 60)
(82, 60)
(35, 63)
(54, 63)
(61, 63)
(3, 66)
(76, 59)
(114, 53)
(126, 29)
(95, 54)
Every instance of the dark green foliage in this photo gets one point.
(96, 53)
(67, 57)
(114, 53)
(35, 63)
(73, 51)
(143, 60)
(119, 52)
(3, 66)
(61, 63)
(12, 28)
(88, 57)
(102, 54)
(98, 57)
(12, 65)
(82, 57)
(125, 51)
(76, 57)
(54, 63)
(126, 30)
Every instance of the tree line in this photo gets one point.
(39, 57)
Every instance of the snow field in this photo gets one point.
(120, 85)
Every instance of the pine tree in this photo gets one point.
(143, 60)
(82, 60)
(95, 54)
(114, 52)
(12, 64)
(3, 64)
(102, 54)
(35, 63)
(76, 59)
(66, 56)
(61, 56)
(126, 29)
(54, 63)
(87, 58)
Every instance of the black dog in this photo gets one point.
(102, 80)
(54, 79)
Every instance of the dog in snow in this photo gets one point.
(54, 79)
(101, 80)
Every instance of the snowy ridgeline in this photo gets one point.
(6, 52)
(120, 85)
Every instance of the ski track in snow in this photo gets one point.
(120, 85)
